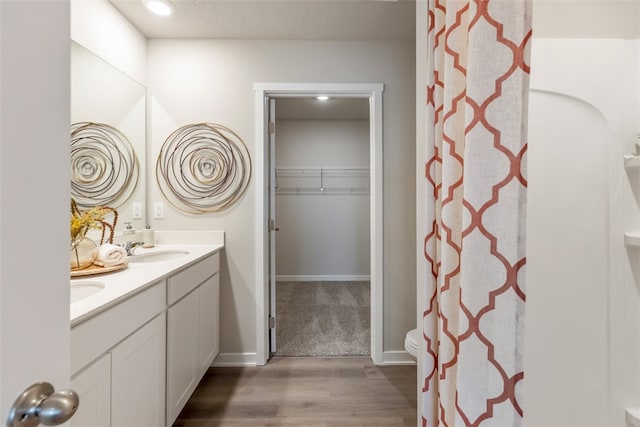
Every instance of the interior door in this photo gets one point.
(272, 225)
(34, 197)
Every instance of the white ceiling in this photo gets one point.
(277, 19)
(284, 20)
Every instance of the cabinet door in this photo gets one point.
(182, 349)
(209, 319)
(138, 377)
(93, 386)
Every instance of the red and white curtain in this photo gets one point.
(473, 319)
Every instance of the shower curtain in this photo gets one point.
(474, 247)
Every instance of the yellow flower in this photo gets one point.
(82, 222)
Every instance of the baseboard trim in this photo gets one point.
(249, 359)
(234, 359)
(397, 358)
(323, 278)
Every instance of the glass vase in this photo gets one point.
(84, 252)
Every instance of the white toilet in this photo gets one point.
(411, 343)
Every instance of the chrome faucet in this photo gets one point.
(130, 247)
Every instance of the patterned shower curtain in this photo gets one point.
(477, 95)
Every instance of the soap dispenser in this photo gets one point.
(148, 237)
(128, 230)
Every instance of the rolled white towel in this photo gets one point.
(110, 255)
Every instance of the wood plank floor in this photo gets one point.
(304, 392)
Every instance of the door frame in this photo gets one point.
(262, 93)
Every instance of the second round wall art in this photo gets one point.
(203, 167)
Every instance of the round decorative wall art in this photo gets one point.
(203, 167)
(104, 165)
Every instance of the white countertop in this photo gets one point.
(122, 284)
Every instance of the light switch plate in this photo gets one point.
(136, 208)
(158, 210)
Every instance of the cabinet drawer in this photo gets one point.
(97, 335)
(188, 279)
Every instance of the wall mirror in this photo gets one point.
(108, 138)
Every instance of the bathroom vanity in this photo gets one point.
(144, 337)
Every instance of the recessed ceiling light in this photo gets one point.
(160, 7)
(322, 98)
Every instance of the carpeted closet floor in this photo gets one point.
(323, 318)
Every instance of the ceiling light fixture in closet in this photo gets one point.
(160, 7)
(322, 98)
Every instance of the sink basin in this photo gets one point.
(82, 290)
(158, 256)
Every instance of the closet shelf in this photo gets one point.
(631, 162)
(322, 181)
(320, 191)
(632, 239)
(317, 171)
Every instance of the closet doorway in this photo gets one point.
(313, 175)
(321, 295)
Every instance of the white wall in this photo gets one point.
(102, 29)
(322, 236)
(212, 80)
(587, 19)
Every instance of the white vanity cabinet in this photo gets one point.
(192, 330)
(125, 387)
(118, 363)
(138, 359)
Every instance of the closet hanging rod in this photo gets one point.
(295, 191)
(317, 171)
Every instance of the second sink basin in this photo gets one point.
(85, 289)
(157, 256)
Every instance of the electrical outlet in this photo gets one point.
(136, 207)
(158, 210)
